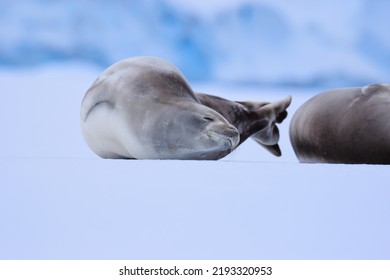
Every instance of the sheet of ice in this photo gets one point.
(60, 201)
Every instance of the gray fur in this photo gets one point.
(349, 125)
(144, 108)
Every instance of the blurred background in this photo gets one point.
(264, 42)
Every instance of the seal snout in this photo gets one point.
(233, 136)
(226, 134)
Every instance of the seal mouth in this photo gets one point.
(230, 137)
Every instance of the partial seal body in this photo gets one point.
(256, 120)
(350, 125)
(143, 108)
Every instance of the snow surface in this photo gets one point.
(60, 201)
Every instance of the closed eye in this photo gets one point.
(209, 119)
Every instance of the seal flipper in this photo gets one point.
(374, 88)
(273, 149)
(268, 137)
(256, 120)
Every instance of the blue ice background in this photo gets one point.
(299, 42)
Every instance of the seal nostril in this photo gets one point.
(233, 136)
(231, 145)
(231, 132)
